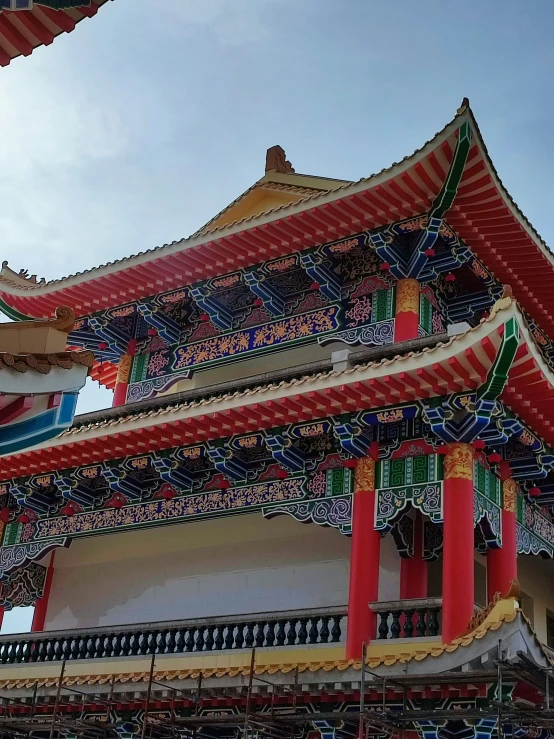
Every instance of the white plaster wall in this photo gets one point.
(536, 578)
(282, 359)
(243, 564)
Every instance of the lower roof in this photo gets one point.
(460, 364)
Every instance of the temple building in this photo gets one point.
(321, 506)
(28, 24)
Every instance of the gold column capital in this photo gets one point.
(364, 475)
(458, 462)
(407, 295)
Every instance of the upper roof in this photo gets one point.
(24, 29)
(483, 214)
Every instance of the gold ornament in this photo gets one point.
(364, 477)
(124, 368)
(407, 296)
(509, 495)
(458, 463)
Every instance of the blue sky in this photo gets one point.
(136, 128)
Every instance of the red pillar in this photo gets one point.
(406, 322)
(364, 561)
(2, 611)
(41, 606)
(123, 375)
(413, 570)
(458, 556)
(502, 563)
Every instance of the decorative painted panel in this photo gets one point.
(426, 497)
(487, 483)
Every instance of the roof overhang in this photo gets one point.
(482, 213)
(24, 30)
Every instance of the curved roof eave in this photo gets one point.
(373, 385)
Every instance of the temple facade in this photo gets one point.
(321, 506)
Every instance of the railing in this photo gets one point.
(282, 629)
(408, 619)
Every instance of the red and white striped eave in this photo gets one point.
(22, 31)
(483, 214)
(460, 365)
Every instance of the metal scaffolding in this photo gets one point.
(70, 714)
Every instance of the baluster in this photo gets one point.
(107, 646)
(143, 643)
(199, 641)
(270, 636)
(280, 636)
(151, 643)
(312, 633)
(81, 648)
(19, 652)
(260, 634)
(159, 642)
(239, 638)
(433, 622)
(210, 638)
(90, 647)
(124, 645)
(116, 644)
(395, 626)
(170, 642)
(30, 654)
(229, 636)
(291, 632)
(421, 626)
(180, 641)
(58, 654)
(39, 653)
(336, 632)
(408, 624)
(134, 643)
(324, 630)
(384, 625)
(26, 651)
(9, 652)
(4, 653)
(74, 648)
(98, 646)
(249, 635)
(189, 639)
(303, 630)
(218, 640)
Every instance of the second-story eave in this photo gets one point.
(457, 365)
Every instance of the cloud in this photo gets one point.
(43, 124)
(232, 22)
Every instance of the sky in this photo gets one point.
(135, 129)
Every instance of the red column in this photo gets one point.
(502, 563)
(406, 322)
(2, 611)
(123, 375)
(364, 561)
(458, 556)
(413, 570)
(41, 606)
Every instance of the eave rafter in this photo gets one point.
(34, 24)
